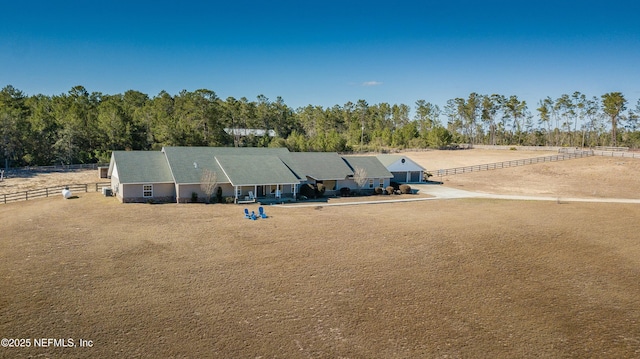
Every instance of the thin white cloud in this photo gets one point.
(372, 83)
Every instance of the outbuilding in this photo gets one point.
(403, 169)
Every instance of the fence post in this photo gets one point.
(86, 188)
(46, 191)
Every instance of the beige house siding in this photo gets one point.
(115, 183)
(162, 192)
(351, 184)
(185, 191)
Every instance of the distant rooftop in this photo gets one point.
(250, 131)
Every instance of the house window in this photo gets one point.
(371, 183)
(381, 183)
(147, 190)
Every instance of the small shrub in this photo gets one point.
(229, 200)
(194, 197)
(307, 190)
(378, 190)
(390, 190)
(513, 149)
(345, 191)
(320, 189)
(405, 189)
(219, 194)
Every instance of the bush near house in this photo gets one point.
(307, 190)
(378, 190)
(312, 191)
(219, 194)
(405, 189)
(390, 190)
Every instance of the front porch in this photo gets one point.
(272, 193)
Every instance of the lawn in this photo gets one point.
(448, 278)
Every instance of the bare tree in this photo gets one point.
(360, 176)
(208, 182)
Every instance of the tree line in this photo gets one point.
(83, 127)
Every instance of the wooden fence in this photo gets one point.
(617, 154)
(51, 191)
(512, 163)
(612, 152)
(610, 148)
(518, 148)
(79, 166)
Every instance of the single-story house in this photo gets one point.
(326, 168)
(241, 172)
(377, 174)
(404, 170)
(177, 174)
(137, 176)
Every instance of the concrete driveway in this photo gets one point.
(443, 192)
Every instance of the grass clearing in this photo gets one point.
(451, 278)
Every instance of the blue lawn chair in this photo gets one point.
(253, 216)
(246, 213)
(262, 214)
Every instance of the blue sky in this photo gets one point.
(324, 52)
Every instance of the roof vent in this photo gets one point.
(195, 165)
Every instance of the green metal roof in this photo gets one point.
(388, 160)
(371, 164)
(187, 163)
(317, 165)
(243, 170)
(141, 167)
(244, 166)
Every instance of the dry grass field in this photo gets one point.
(27, 180)
(468, 278)
(589, 177)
